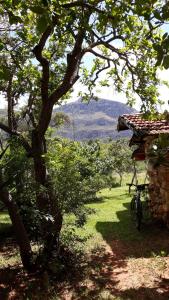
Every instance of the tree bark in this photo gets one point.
(121, 178)
(46, 201)
(19, 229)
(39, 149)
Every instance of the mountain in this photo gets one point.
(93, 120)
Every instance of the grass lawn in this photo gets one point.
(112, 221)
(5, 225)
(112, 217)
(131, 264)
(123, 264)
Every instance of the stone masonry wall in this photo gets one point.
(158, 190)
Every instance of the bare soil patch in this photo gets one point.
(119, 269)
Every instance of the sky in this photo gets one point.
(110, 94)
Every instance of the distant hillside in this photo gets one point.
(95, 120)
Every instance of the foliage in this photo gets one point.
(120, 154)
(158, 152)
(161, 45)
(77, 172)
(60, 119)
(17, 170)
(62, 33)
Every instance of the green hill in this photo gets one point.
(93, 120)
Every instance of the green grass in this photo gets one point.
(10, 254)
(111, 219)
(5, 224)
(111, 223)
(4, 218)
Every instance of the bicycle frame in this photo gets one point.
(136, 203)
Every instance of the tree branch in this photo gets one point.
(44, 63)
(101, 70)
(98, 54)
(111, 39)
(70, 77)
(88, 6)
(22, 140)
(3, 152)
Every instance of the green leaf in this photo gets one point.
(14, 19)
(157, 47)
(45, 2)
(15, 2)
(166, 62)
(22, 34)
(4, 73)
(37, 9)
(165, 11)
(42, 24)
(157, 15)
(159, 59)
(165, 35)
(1, 46)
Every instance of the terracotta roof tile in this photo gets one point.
(137, 123)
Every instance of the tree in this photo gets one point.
(42, 45)
(121, 157)
(60, 119)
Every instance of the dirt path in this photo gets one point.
(120, 270)
(126, 270)
(132, 278)
(113, 276)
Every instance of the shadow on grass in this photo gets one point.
(115, 198)
(6, 231)
(153, 237)
(102, 198)
(110, 267)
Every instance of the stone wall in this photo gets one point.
(159, 192)
(158, 189)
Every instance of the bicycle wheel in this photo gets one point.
(136, 211)
(133, 208)
(139, 213)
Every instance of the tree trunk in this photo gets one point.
(39, 149)
(19, 230)
(46, 202)
(121, 178)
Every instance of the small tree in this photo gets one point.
(121, 157)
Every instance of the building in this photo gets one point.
(151, 142)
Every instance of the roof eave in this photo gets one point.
(122, 124)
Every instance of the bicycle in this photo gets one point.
(136, 206)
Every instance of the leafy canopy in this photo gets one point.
(43, 45)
